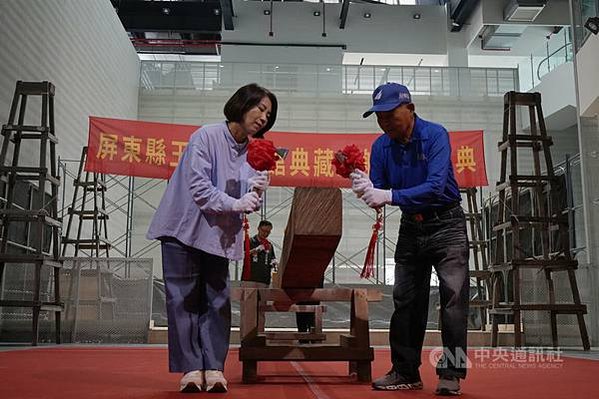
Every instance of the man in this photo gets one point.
(262, 257)
(410, 167)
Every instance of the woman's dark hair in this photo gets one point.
(246, 98)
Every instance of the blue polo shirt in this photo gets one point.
(420, 172)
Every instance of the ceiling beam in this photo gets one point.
(344, 12)
(460, 12)
(173, 16)
(227, 10)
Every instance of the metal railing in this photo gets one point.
(322, 80)
(556, 51)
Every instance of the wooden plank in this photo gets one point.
(287, 307)
(359, 319)
(289, 336)
(304, 294)
(248, 325)
(311, 237)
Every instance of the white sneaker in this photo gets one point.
(192, 382)
(215, 381)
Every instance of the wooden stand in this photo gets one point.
(255, 342)
(40, 218)
(311, 238)
(509, 260)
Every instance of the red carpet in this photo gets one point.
(96, 372)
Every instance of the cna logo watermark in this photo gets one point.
(497, 358)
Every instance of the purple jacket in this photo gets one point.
(196, 207)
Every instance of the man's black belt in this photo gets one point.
(433, 212)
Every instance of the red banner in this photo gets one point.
(149, 149)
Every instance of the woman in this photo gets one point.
(199, 224)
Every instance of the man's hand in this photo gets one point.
(375, 197)
(259, 248)
(259, 182)
(359, 182)
(250, 202)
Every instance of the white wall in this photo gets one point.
(83, 49)
(588, 77)
(558, 96)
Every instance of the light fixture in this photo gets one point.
(328, 69)
(316, 13)
(417, 16)
(592, 24)
(266, 12)
(216, 11)
(166, 10)
(367, 15)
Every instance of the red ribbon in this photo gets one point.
(345, 162)
(261, 156)
(368, 269)
(247, 265)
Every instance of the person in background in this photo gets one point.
(410, 167)
(262, 257)
(199, 225)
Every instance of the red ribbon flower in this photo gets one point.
(347, 160)
(262, 155)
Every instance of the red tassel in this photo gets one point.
(247, 265)
(368, 269)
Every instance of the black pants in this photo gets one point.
(440, 241)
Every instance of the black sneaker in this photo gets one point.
(393, 381)
(448, 386)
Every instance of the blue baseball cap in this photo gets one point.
(388, 97)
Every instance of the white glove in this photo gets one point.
(259, 182)
(375, 197)
(359, 182)
(248, 203)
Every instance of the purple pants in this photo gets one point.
(198, 307)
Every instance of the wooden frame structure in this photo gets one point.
(260, 345)
(510, 258)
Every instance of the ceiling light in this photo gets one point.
(417, 16)
(367, 15)
(328, 69)
(592, 24)
(266, 12)
(316, 13)
(216, 11)
(166, 10)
